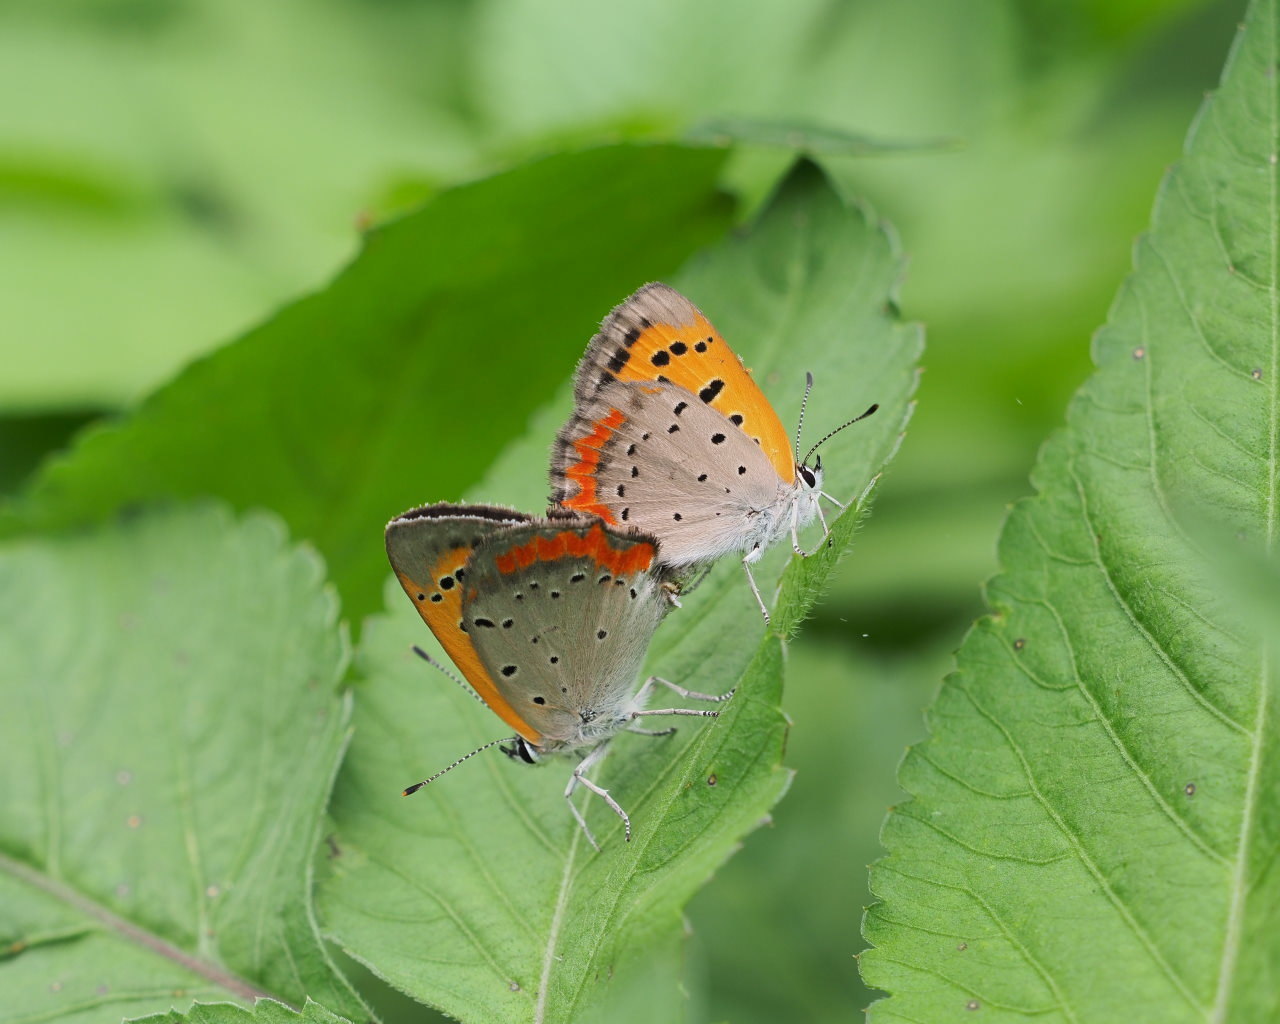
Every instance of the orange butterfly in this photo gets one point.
(671, 435)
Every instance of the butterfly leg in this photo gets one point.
(795, 533)
(643, 693)
(826, 530)
(579, 778)
(747, 559)
(691, 712)
(651, 732)
(837, 504)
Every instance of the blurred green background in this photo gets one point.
(171, 172)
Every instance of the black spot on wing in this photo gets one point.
(660, 358)
(709, 393)
(678, 348)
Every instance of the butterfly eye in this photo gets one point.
(807, 475)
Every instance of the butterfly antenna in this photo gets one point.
(426, 782)
(837, 430)
(435, 664)
(808, 386)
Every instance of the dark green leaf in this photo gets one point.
(399, 382)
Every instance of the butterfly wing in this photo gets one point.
(654, 457)
(659, 336)
(562, 612)
(429, 548)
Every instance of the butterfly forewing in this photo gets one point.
(429, 548)
(657, 335)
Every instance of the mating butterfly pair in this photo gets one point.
(672, 459)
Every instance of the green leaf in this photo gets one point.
(480, 895)
(265, 1011)
(1093, 827)
(169, 749)
(400, 381)
(775, 930)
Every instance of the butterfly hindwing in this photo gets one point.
(653, 457)
(429, 548)
(561, 612)
(659, 336)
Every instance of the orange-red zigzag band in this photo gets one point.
(637, 556)
(584, 470)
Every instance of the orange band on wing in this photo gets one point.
(444, 616)
(583, 472)
(635, 556)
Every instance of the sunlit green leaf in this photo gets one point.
(1093, 830)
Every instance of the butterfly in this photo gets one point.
(548, 621)
(670, 434)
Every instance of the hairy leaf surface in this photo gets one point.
(171, 730)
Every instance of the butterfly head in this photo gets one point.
(810, 477)
(521, 750)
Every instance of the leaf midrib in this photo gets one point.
(1239, 879)
(135, 934)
